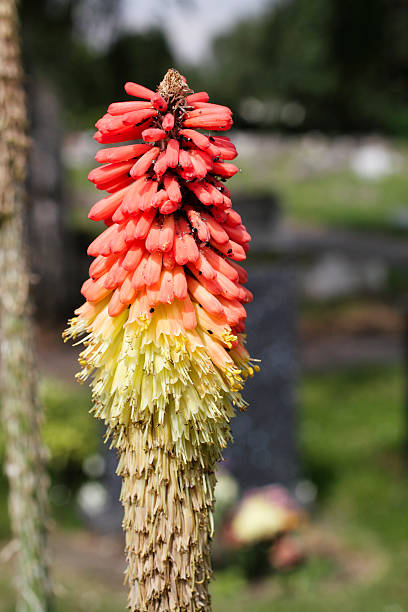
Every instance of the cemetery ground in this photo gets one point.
(345, 182)
(352, 435)
(351, 403)
(358, 183)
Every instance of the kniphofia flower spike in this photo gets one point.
(163, 327)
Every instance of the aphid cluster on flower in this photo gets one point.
(163, 327)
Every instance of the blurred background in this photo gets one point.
(312, 498)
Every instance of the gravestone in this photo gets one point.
(265, 443)
(264, 448)
(50, 252)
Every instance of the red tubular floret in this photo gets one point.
(138, 91)
(159, 197)
(153, 134)
(201, 295)
(144, 162)
(225, 146)
(211, 106)
(131, 228)
(168, 207)
(149, 192)
(199, 96)
(166, 293)
(167, 231)
(139, 117)
(220, 264)
(172, 188)
(199, 167)
(116, 275)
(238, 233)
(100, 246)
(231, 249)
(216, 196)
(107, 206)
(179, 283)
(132, 198)
(200, 192)
(153, 237)
(161, 165)
(223, 113)
(225, 170)
(172, 153)
(127, 293)
(120, 108)
(133, 257)
(159, 102)
(118, 154)
(110, 172)
(153, 268)
(138, 279)
(233, 218)
(200, 141)
(94, 290)
(125, 134)
(201, 227)
(118, 242)
(168, 122)
(204, 157)
(203, 267)
(216, 231)
(100, 265)
(115, 305)
(211, 121)
(186, 168)
(144, 223)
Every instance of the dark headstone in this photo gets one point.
(50, 255)
(264, 450)
(260, 214)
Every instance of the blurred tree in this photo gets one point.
(142, 57)
(76, 45)
(56, 49)
(21, 413)
(76, 59)
(344, 61)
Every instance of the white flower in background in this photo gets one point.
(92, 498)
(265, 513)
(375, 161)
(226, 494)
(94, 465)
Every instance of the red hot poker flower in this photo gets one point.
(163, 323)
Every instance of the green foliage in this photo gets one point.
(87, 79)
(343, 61)
(352, 434)
(335, 197)
(70, 432)
(352, 437)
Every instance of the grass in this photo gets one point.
(332, 197)
(71, 435)
(352, 435)
(352, 428)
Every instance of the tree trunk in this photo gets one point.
(25, 455)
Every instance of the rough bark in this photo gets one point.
(21, 413)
